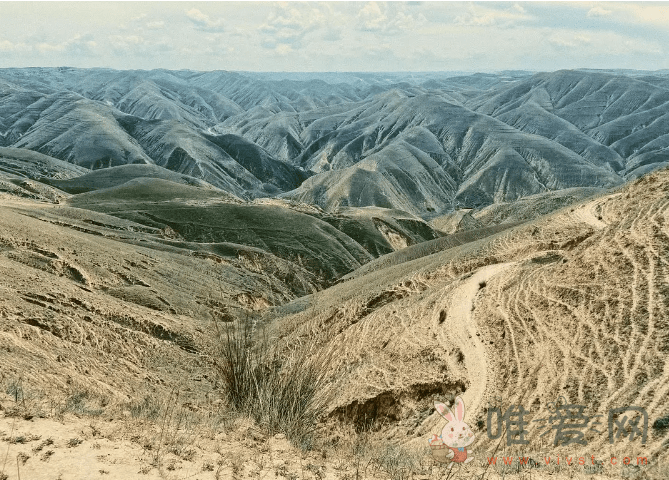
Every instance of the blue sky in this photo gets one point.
(336, 36)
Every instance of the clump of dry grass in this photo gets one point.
(78, 403)
(282, 392)
(148, 408)
(363, 454)
(167, 429)
(28, 402)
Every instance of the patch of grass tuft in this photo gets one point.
(74, 442)
(148, 408)
(77, 403)
(283, 393)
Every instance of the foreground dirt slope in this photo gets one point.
(122, 447)
(84, 305)
(574, 304)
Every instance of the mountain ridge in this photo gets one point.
(491, 137)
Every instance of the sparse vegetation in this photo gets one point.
(661, 425)
(104, 307)
(74, 442)
(45, 443)
(167, 428)
(282, 392)
(149, 408)
(46, 455)
(23, 458)
(77, 403)
(364, 455)
(27, 403)
(22, 439)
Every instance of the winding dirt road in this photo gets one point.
(587, 213)
(461, 326)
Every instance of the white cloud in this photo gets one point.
(336, 35)
(79, 45)
(7, 46)
(656, 14)
(603, 44)
(639, 13)
(479, 16)
(373, 18)
(563, 41)
(203, 21)
(126, 41)
(599, 12)
(638, 46)
(481, 20)
(47, 47)
(569, 39)
(408, 22)
(289, 26)
(283, 49)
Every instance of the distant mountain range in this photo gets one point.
(425, 143)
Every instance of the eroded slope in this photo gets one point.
(573, 304)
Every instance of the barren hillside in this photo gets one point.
(422, 143)
(502, 237)
(573, 304)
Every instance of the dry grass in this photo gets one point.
(169, 430)
(28, 402)
(588, 287)
(283, 392)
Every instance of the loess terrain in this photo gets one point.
(501, 237)
(573, 304)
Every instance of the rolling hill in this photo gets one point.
(627, 115)
(572, 303)
(426, 144)
(482, 160)
(503, 237)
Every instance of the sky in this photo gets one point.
(336, 36)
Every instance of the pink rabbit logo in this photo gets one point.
(456, 436)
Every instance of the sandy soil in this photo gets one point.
(72, 448)
(461, 327)
(573, 304)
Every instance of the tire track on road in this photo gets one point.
(461, 327)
